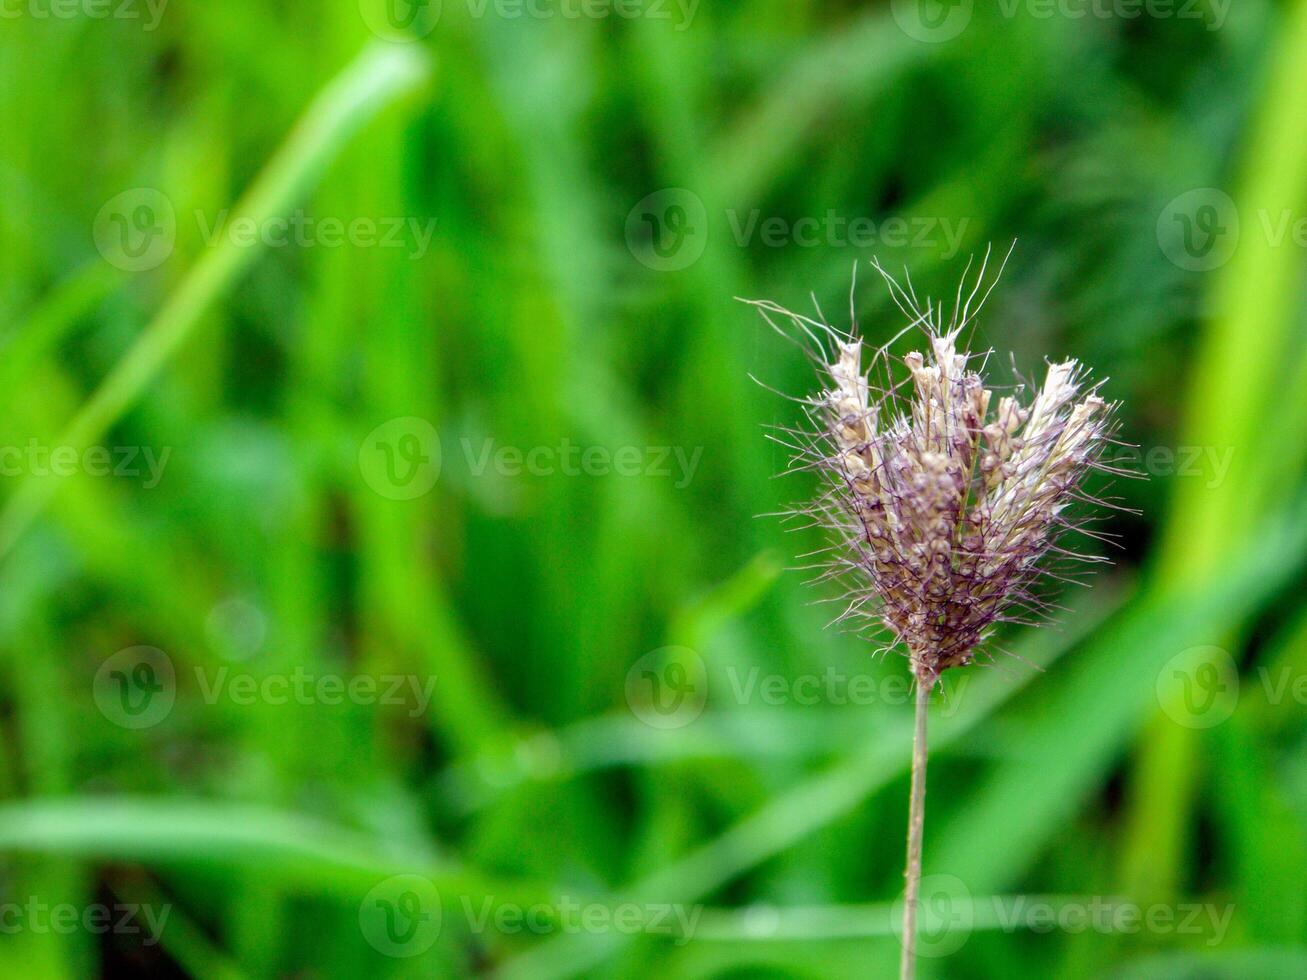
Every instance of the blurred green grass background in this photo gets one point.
(521, 230)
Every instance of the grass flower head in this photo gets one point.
(945, 499)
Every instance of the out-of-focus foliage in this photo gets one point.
(382, 586)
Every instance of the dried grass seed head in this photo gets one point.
(942, 497)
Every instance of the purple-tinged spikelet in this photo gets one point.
(941, 496)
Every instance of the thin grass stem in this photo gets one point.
(916, 823)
